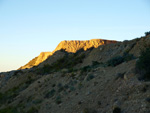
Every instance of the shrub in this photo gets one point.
(50, 93)
(2, 98)
(32, 110)
(38, 101)
(80, 85)
(95, 63)
(115, 61)
(117, 110)
(85, 69)
(9, 110)
(58, 100)
(66, 86)
(72, 88)
(87, 110)
(147, 33)
(89, 77)
(143, 65)
(127, 57)
(60, 89)
(17, 72)
(120, 59)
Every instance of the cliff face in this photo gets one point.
(75, 45)
(69, 46)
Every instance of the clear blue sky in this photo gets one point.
(28, 27)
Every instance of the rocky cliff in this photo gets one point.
(69, 46)
(37, 60)
(75, 45)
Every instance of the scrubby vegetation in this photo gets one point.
(50, 93)
(62, 63)
(120, 59)
(143, 65)
(117, 110)
(9, 95)
(9, 110)
(147, 33)
(32, 110)
(115, 61)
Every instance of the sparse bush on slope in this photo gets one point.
(147, 33)
(143, 65)
(9, 110)
(120, 59)
(115, 61)
(68, 61)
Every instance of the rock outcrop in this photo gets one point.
(69, 46)
(37, 60)
(75, 45)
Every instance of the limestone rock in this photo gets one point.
(37, 60)
(69, 46)
(75, 45)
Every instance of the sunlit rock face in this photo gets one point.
(37, 60)
(69, 46)
(75, 45)
(42, 57)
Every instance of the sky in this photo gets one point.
(28, 27)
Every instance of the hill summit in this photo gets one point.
(71, 46)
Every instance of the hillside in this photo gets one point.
(103, 79)
(69, 46)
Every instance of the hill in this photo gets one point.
(69, 46)
(104, 79)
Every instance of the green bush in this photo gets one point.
(9, 110)
(117, 110)
(50, 93)
(80, 85)
(37, 101)
(127, 57)
(89, 77)
(95, 63)
(17, 72)
(143, 65)
(120, 59)
(89, 110)
(147, 33)
(115, 61)
(85, 69)
(32, 110)
(58, 100)
(44, 70)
